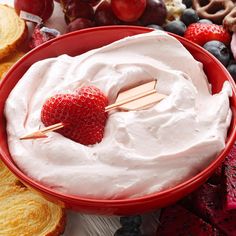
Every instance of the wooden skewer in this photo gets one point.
(118, 104)
(132, 99)
(42, 132)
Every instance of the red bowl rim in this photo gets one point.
(154, 196)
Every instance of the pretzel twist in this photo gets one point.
(214, 10)
(229, 21)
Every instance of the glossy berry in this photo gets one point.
(79, 23)
(189, 16)
(203, 33)
(104, 15)
(128, 10)
(157, 27)
(42, 8)
(134, 221)
(188, 3)
(219, 50)
(155, 13)
(91, 2)
(205, 21)
(82, 113)
(176, 27)
(77, 9)
(232, 70)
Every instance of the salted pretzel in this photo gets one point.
(214, 10)
(229, 21)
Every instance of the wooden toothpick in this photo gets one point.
(136, 98)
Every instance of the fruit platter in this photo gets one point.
(118, 117)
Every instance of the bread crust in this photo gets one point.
(60, 228)
(6, 177)
(25, 212)
(13, 30)
(7, 62)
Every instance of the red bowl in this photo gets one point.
(79, 42)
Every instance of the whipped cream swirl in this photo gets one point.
(143, 151)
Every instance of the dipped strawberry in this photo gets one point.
(41, 34)
(202, 33)
(82, 113)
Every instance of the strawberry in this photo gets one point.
(202, 33)
(82, 113)
(40, 36)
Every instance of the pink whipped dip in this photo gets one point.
(143, 151)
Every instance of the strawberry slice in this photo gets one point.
(83, 114)
(202, 33)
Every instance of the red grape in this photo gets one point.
(104, 15)
(79, 23)
(75, 9)
(128, 10)
(155, 13)
(42, 8)
(91, 2)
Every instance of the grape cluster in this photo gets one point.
(80, 14)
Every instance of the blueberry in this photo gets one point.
(124, 232)
(157, 27)
(187, 3)
(205, 21)
(176, 27)
(189, 16)
(232, 70)
(219, 50)
(133, 221)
